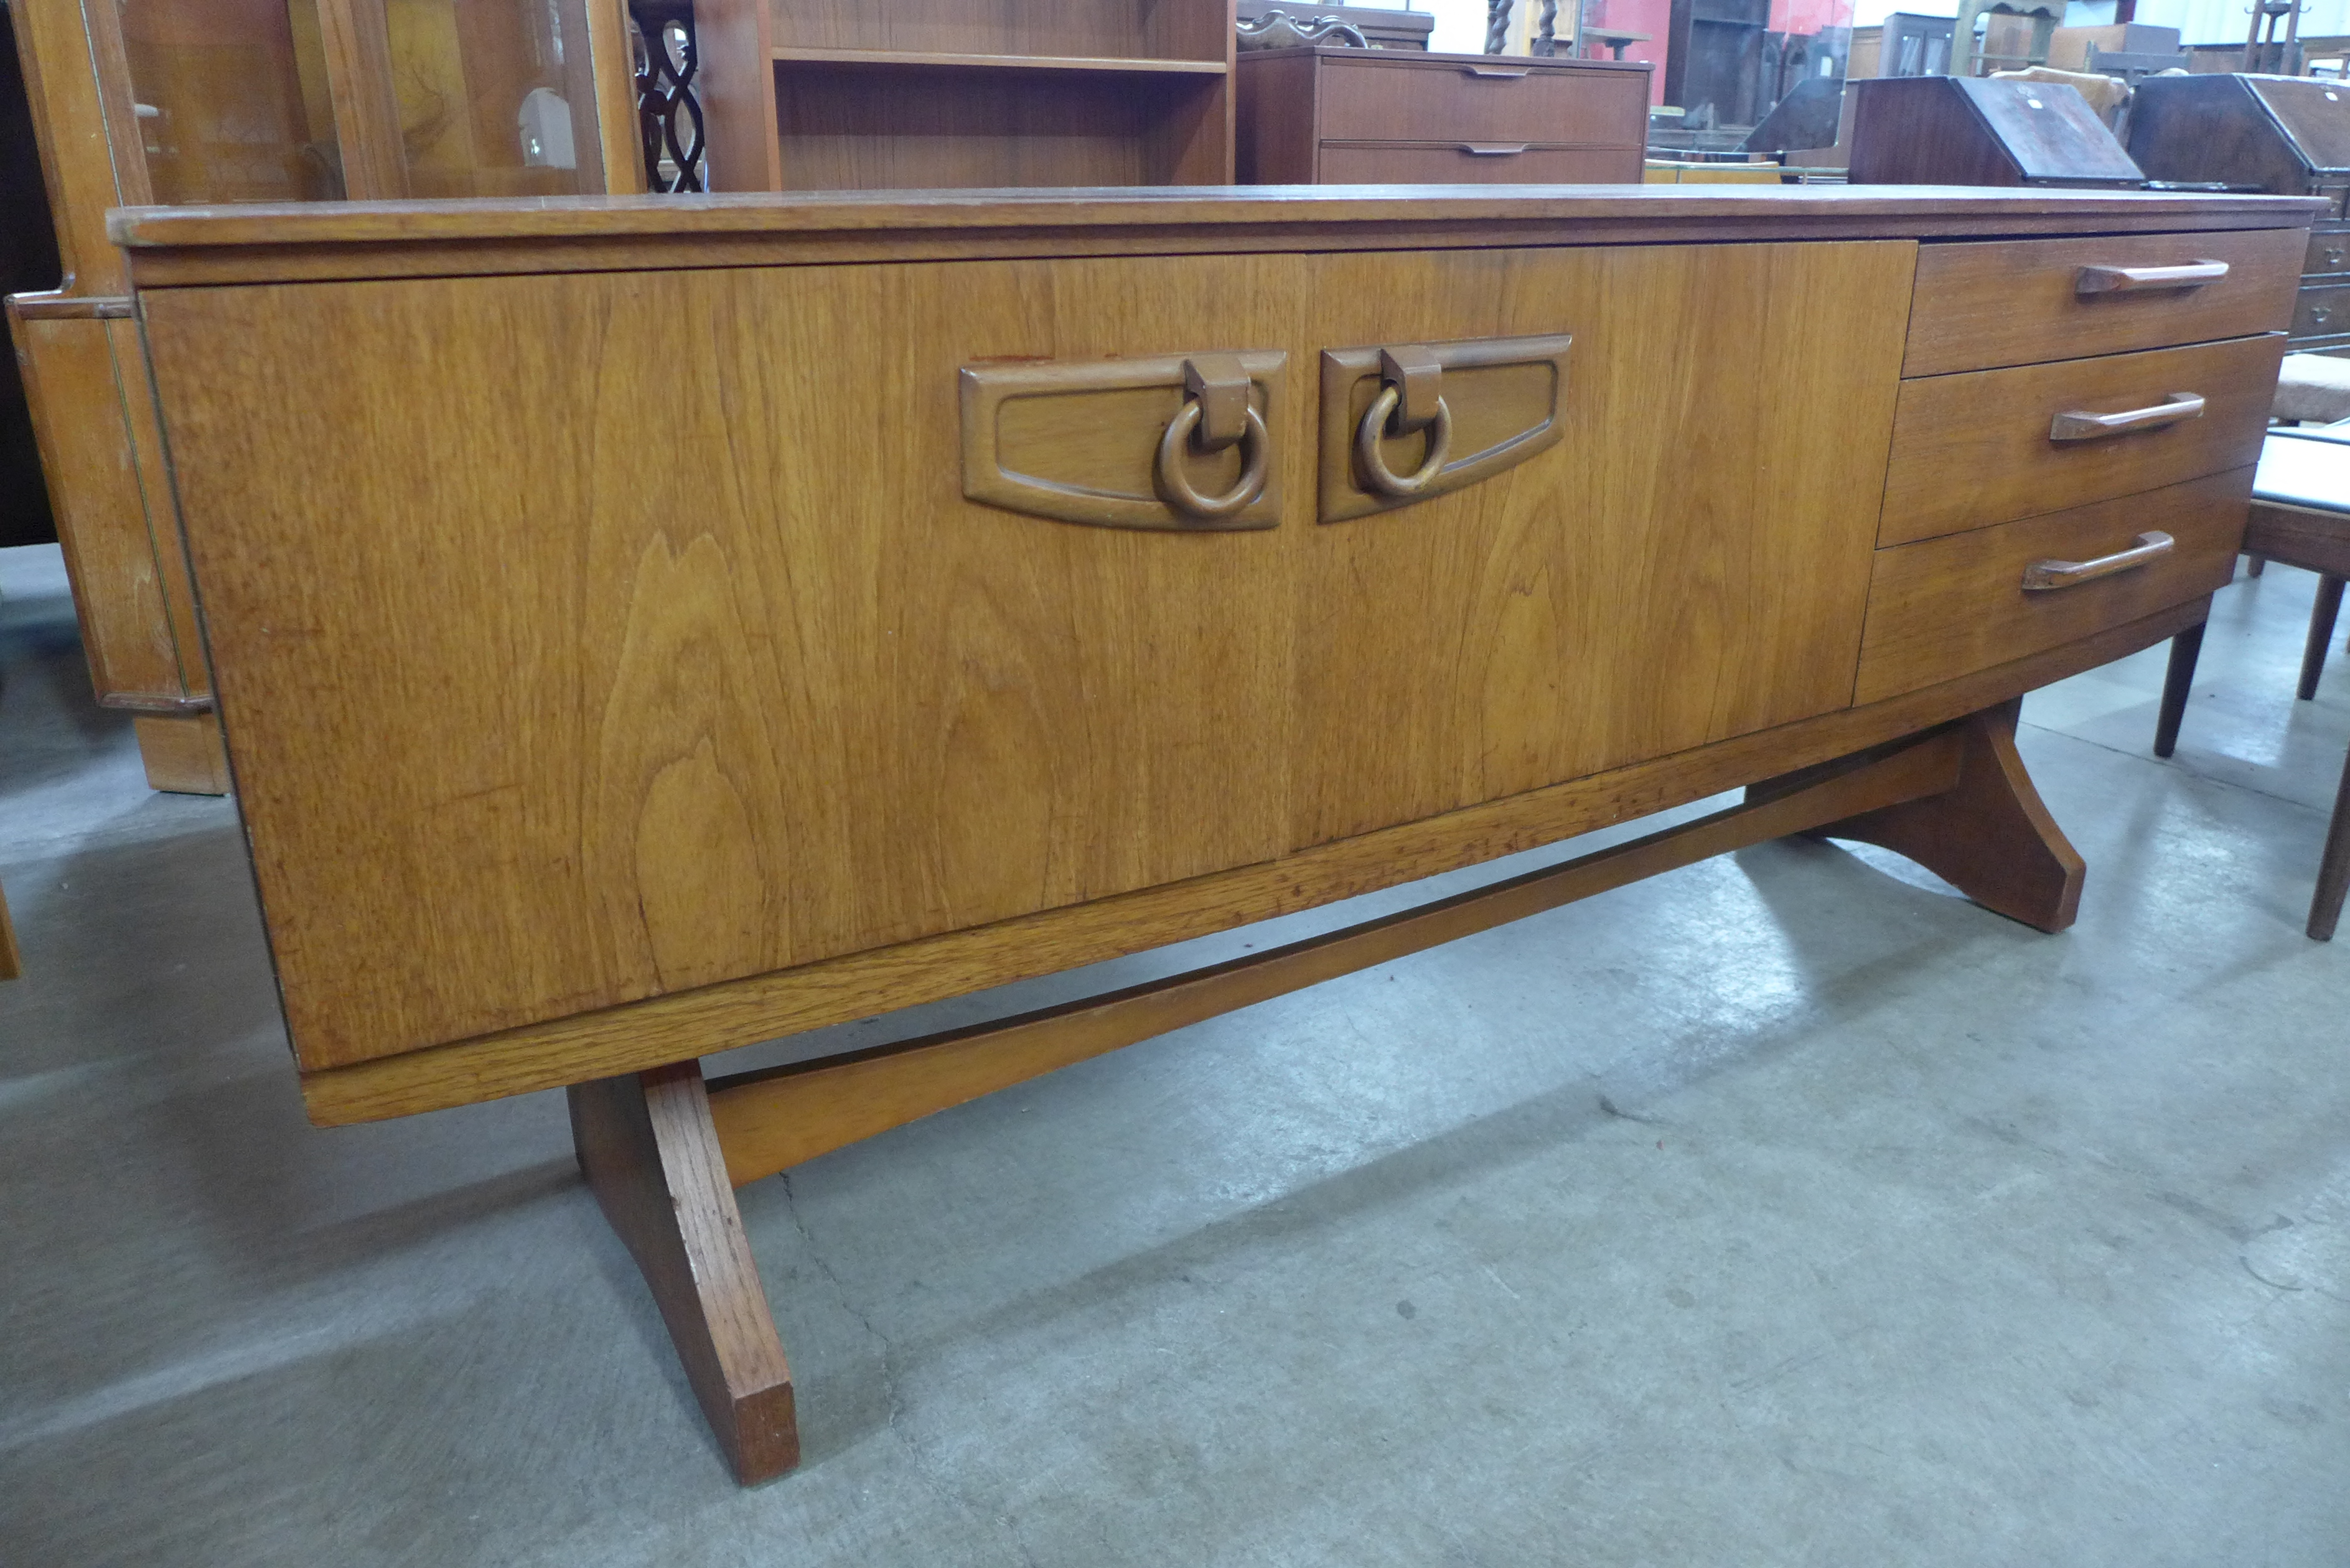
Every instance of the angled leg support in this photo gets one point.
(1989, 836)
(648, 1151)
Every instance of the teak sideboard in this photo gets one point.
(646, 627)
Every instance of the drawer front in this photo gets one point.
(2329, 250)
(1976, 449)
(1508, 100)
(2323, 310)
(2018, 302)
(1949, 606)
(1448, 163)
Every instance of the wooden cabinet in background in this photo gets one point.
(1331, 116)
(2287, 136)
(1980, 131)
(829, 94)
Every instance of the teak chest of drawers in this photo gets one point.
(1327, 116)
(664, 625)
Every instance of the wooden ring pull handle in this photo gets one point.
(2041, 576)
(1382, 478)
(1175, 487)
(2078, 425)
(2146, 279)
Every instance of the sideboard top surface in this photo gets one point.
(173, 246)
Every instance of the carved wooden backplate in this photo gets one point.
(1078, 440)
(1505, 395)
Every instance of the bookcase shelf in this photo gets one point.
(938, 60)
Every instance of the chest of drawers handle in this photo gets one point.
(2148, 279)
(1494, 149)
(1495, 73)
(2079, 425)
(2041, 576)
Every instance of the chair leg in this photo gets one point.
(2184, 650)
(2333, 868)
(2254, 566)
(2321, 633)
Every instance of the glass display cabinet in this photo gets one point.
(146, 102)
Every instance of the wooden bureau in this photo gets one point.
(735, 617)
(1329, 116)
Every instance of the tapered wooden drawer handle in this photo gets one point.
(2148, 279)
(2041, 576)
(2078, 425)
(1494, 149)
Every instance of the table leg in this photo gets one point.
(650, 1153)
(2184, 650)
(1990, 837)
(2333, 868)
(2321, 633)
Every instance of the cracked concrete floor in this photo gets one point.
(1785, 1209)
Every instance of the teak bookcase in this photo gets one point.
(829, 94)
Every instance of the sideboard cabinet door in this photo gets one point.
(1688, 564)
(622, 633)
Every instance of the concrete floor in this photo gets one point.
(1785, 1209)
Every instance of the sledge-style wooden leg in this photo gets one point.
(1990, 837)
(648, 1151)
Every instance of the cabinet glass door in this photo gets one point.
(496, 97)
(231, 99)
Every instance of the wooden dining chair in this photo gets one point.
(2300, 516)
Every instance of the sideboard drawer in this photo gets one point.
(2018, 302)
(1948, 607)
(1462, 163)
(1974, 450)
(1506, 101)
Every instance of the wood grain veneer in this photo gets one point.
(2017, 302)
(1687, 564)
(750, 711)
(172, 247)
(1942, 608)
(860, 985)
(1973, 449)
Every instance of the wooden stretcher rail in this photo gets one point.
(772, 1120)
